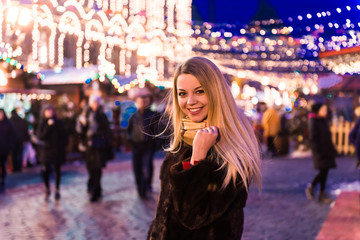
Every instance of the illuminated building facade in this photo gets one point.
(119, 36)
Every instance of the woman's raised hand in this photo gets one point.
(204, 139)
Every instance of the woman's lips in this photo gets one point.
(194, 111)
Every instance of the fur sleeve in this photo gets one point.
(197, 195)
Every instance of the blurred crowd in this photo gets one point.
(282, 131)
(52, 134)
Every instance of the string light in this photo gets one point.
(343, 64)
(138, 82)
(312, 43)
(15, 64)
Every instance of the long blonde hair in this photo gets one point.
(238, 146)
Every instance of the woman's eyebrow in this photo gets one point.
(194, 89)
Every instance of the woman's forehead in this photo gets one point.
(187, 81)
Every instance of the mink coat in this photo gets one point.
(192, 205)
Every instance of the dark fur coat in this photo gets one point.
(192, 204)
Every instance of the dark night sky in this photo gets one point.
(242, 11)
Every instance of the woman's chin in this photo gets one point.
(197, 119)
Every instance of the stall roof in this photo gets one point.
(27, 91)
(69, 75)
(349, 83)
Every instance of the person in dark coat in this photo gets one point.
(323, 151)
(140, 133)
(52, 134)
(212, 159)
(23, 136)
(93, 124)
(354, 137)
(7, 142)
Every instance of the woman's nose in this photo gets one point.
(191, 100)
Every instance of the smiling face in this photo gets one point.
(192, 98)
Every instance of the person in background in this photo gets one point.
(7, 142)
(354, 137)
(116, 126)
(282, 142)
(54, 139)
(271, 125)
(213, 158)
(140, 133)
(69, 119)
(23, 136)
(257, 125)
(81, 135)
(33, 117)
(93, 124)
(323, 151)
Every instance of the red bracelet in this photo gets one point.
(187, 164)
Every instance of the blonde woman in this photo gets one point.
(212, 159)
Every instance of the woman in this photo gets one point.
(7, 142)
(322, 149)
(212, 159)
(52, 134)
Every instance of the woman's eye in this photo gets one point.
(181, 94)
(200, 91)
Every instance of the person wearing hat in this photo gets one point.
(323, 151)
(140, 133)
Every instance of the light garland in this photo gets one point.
(118, 25)
(326, 14)
(345, 31)
(343, 64)
(47, 21)
(133, 83)
(281, 54)
(314, 44)
(10, 100)
(292, 81)
(170, 14)
(1, 20)
(15, 64)
(342, 61)
(267, 54)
